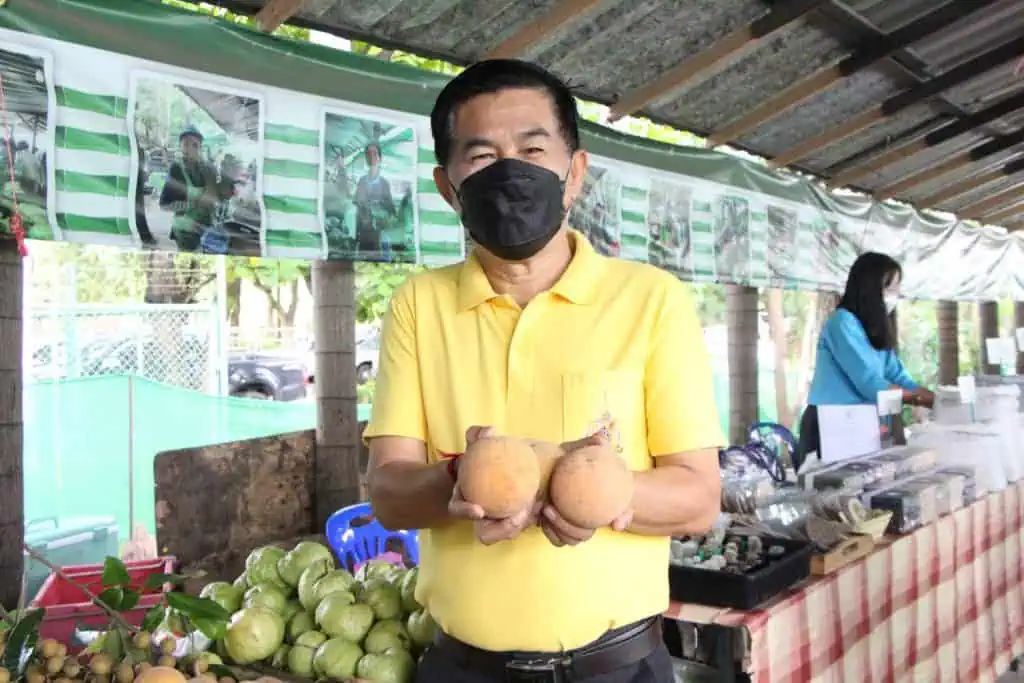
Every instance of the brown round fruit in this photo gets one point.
(226, 679)
(547, 455)
(49, 648)
(168, 646)
(62, 679)
(166, 660)
(62, 650)
(142, 668)
(590, 487)
(35, 677)
(161, 674)
(5, 675)
(72, 668)
(54, 665)
(143, 640)
(125, 673)
(501, 475)
(100, 664)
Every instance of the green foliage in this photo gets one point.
(285, 31)
(21, 641)
(375, 283)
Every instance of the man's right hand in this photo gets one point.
(489, 531)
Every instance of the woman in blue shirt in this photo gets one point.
(857, 349)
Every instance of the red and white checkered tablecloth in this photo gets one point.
(944, 604)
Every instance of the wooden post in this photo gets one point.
(337, 433)
(947, 315)
(741, 316)
(12, 492)
(988, 327)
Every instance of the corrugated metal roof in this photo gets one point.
(622, 45)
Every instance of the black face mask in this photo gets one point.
(512, 208)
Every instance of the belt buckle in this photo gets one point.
(537, 670)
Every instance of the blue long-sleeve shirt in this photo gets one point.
(849, 370)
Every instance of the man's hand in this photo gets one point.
(489, 531)
(555, 527)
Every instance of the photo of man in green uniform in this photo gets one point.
(190, 192)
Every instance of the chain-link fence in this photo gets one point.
(177, 345)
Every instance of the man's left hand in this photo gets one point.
(557, 529)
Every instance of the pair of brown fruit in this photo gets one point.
(590, 487)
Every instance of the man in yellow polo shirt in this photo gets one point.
(536, 335)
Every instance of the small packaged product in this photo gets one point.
(949, 491)
(912, 503)
(968, 474)
(907, 460)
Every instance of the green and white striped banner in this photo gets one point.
(633, 221)
(291, 191)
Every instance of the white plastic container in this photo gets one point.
(976, 445)
(995, 407)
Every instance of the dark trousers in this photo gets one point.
(656, 668)
(810, 438)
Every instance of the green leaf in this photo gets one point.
(153, 618)
(154, 581)
(214, 629)
(129, 600)
(115, 573)
(112, 598)
(97, 645)
(21, 642)
(221, 671)
(197, 608)
(113, 644)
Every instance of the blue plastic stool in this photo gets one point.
(356, 537)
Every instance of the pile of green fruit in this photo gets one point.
(294, 610)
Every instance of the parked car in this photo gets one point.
(265, 376)
(367, 357)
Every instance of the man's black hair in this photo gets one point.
(492, 76)
(869, 276)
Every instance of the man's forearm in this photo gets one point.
(674, 501)
(409, 495)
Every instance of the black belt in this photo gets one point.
(615, 650)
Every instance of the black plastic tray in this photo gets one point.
(742, 591)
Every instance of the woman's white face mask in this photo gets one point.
(891, 299)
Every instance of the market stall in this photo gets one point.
(915, 570)
(944, 603)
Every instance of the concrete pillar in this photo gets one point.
(741, 316)
(337, 434)
(947, 314)
(12, 491)
(988, 327)
(1018, 322)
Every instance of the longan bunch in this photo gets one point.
(53, 665)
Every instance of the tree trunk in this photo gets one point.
(338, 479)
(741, 315)
(824, 306)
(12, 491)
(988, 328)
(234, 295)
(777, 330)
(948, 323)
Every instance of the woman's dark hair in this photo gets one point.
(869, 276)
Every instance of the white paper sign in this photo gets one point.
(967, 388)
(848, 431)
(890, 402)
(994, 350)
(1020, 337)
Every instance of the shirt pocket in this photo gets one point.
(591, 398)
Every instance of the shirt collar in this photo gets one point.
(576, 284)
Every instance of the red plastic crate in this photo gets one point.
(67, 606)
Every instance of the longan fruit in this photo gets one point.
(167, 660)
(49, 648)
(168, 646)
(226, 679)
(62, 679)
(200, 667)
(125, 674)
(143, 640)
(5, 675)
(101, 664)
(143, 667)
(72, 668)
(62, 650)
(35, 677)
(54, 665)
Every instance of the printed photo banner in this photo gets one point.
(104, 148)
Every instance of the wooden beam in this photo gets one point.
(958, 189)
(957, 161)
(897, 103)
(862, 58)
(702, 62)
(997, 217)
(987, 205)
(543, 27)
(936, 137)
(275, 13)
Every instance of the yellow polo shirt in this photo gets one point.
(610, 336)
